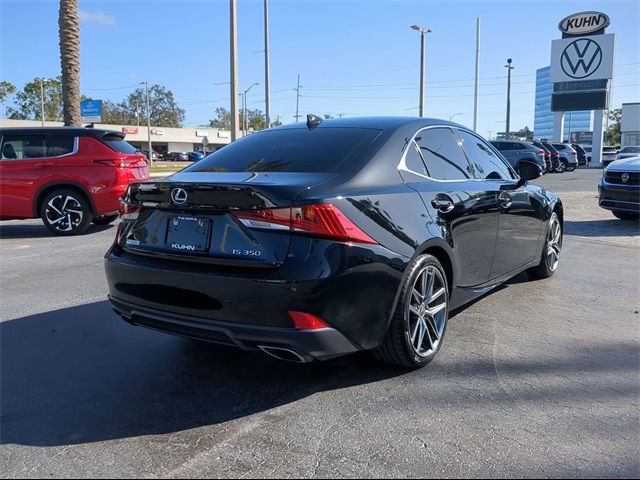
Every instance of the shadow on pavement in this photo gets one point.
(81, 375)
(30, 230)
(602, 228)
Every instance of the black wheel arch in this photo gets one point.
(44, 190)
(441, 250)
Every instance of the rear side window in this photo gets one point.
(117, 143)
(414, 161)
(23, 147)
(442, 155)
(485, 161)
(290, 150)
(60, 145)
(559, 147)
(501, 146)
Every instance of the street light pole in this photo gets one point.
(297, 98)
(509, 68)
(245, 122)
(422, 63)
(146, 89)
(42, 100)
(267, 99)
(475, 90)
(234, 69)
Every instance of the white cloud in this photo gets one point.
(97, 17)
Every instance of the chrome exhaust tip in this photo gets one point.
(285, 354)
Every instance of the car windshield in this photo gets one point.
(290, 150)
(630, 150)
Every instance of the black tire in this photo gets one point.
(105, 219)
(397, 347)
(571, 168)
(626, 215)
(545, 268)
(66, 212)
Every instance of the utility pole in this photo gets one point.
(42, 100)
(509, 68)
(298, 98)
(146, 89)
(422, 62)
(267, 99)
(475, 94)
(234, 69)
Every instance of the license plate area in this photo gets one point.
(188, 234)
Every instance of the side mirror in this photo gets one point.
(528, 171)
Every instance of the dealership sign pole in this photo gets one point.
(581, 67)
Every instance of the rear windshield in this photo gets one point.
(118, 144)
(322, 150)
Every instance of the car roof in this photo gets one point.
(79, 131)
(379, 123)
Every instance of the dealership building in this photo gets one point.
(543, 124)
(630, 124)
(163, 140)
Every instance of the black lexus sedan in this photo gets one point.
(315, 240)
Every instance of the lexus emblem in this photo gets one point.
(179, 196)
(625, 177)
(581, 58)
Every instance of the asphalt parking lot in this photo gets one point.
(538, 378)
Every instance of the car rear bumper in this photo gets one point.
(351, 287)
(306, 345)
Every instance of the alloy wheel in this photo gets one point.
(64, 213)
(554, 243)
(427, 311)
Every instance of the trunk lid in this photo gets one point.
(190, 216)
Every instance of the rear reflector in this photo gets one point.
(306, 321)
(319, 220)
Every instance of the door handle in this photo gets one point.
(504, 200)
(44, 165)
(442, 203)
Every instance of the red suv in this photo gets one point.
(68, 176)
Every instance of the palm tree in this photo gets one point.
(69, 27)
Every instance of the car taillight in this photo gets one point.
(123, 162)
(319, 220)
(540, 152)
(306, 321)
(129, 211)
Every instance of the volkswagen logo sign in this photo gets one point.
(581, 58)
(179, 196)
(625, 177)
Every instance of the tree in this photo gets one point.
(6, 89)
(525, 133)
(614, 134)
(222, 120)
(69, 29)
(255, 119)
(165, 112)
(27, 102)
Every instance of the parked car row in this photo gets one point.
(550, 157)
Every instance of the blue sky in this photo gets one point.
(355, 57)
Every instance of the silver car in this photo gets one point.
(568, 157)
(609, 154)
(629, 151)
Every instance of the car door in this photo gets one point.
(460, 206)
(23, 161)
(521, 210)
